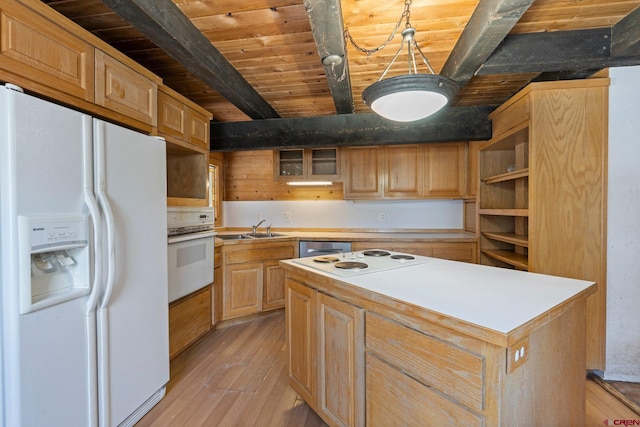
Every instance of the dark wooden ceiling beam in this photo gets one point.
(325, 17)
(490, 23)
(165, 25)
(625, 35)
(555, 52)
(450, 124)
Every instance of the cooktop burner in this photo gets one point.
(351, 265)
(326, 259)
(362, 262)
(375, 252)
(402, 257)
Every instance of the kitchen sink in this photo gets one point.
(247, 236)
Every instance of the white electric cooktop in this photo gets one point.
(362, 262)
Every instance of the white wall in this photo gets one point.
(623, 227)
(423, 214)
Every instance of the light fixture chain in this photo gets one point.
(406, 14)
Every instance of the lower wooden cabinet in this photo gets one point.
(325, 339)
(253, 280)
(189, 319)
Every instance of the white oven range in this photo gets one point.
(190, 249)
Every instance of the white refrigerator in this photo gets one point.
(83, 268)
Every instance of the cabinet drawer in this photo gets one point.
(396, 399)
(455, 251)
(259, 254)
(189, 319)
(433, 362)
(511, 115)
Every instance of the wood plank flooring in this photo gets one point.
(237, 376)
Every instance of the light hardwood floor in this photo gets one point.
(236, 376)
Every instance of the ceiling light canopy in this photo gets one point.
(412, 96)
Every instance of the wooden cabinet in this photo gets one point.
(414, 171)
(216, 291)
(460, 251)
(325, 347)
(542, 197)
(125, 91)
(189, 319)
(36, 53)
(308, 164)
(185, 126)
(48, 54)
(253, 280)
(364, 173)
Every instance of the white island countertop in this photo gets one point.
(489, 302)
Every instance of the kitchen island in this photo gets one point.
(437, 342)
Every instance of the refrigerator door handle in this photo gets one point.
(92, 302)
(106, 208)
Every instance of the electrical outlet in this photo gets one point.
(287, 217)
(517, 355)
(382, 216)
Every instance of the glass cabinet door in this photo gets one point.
(291, 163)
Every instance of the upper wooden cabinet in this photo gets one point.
(125, 91)
(309, 164)
(413, 171)
(185, 126)
(36, 53)
(180, 118)
(44, 52)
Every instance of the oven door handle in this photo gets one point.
(191, 236)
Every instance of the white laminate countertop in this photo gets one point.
(494, 298)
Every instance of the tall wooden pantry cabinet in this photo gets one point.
(543, 189)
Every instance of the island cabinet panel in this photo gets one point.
(395, 399)
(450, 369)
(325, 345)
(340, 346)
(300, 323)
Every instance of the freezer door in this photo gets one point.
(133, 333)
(45, 353)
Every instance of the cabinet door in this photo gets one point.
(404, 165)
(198, 129)
(445, 170)
(363, 176)
(340, 361)
(243, 290)
(273, 292)
(36, 53)
(300, 315)
(123, 90)
(172, 116)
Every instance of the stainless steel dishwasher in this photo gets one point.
(309, 248)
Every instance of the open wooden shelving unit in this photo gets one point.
(542, 190)
(504, 206)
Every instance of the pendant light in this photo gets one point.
(412, 96)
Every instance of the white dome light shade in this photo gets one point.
(410, 97)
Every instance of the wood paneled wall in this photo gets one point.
(249, 177)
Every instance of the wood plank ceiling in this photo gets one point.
(277, 47)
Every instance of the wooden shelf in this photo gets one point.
(514, 239)
(508, 139)
(518, 261)
(504, 212)
(509, 176)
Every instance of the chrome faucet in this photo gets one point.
(255, 227)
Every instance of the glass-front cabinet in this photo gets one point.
(307, 164)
